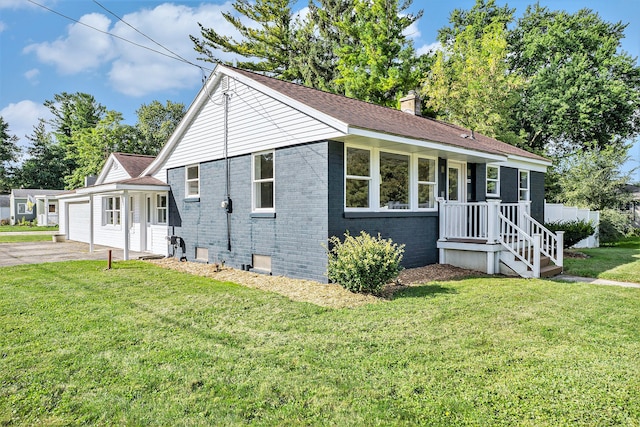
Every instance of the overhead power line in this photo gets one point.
(172, 55)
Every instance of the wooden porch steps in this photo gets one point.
(550, 270)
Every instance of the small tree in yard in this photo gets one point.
(363, 263)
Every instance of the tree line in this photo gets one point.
(83, 134)
(551, 82)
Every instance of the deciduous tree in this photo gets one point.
(156, 123)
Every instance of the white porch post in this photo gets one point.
(537, 239)
(441, 227)
(45, 211)
(560, 254)
(493, 223)
(90, 222)
(124, 214)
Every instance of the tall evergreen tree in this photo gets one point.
(8, 153)
(43, 168)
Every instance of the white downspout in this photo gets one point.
(125, 223)
(91, 220)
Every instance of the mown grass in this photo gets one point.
(618, 262)
(25, 238)
(139, 345)
(7, 228)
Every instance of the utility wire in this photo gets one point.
(173, 56)
(146, 36)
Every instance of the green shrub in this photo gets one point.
(363, 263)
(614, 226)
(574, 231)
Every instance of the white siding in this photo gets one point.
(116, 173)
(256, 122)
(159, 239)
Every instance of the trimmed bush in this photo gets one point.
(363, 263)
(614, 226)
(574, 231)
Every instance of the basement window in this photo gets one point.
(202, 254)
(261, 263)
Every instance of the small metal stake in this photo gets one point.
(109, 261)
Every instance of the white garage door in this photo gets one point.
(79, 222)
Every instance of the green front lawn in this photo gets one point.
(139, 345)
(6, 228)
(619, 262)
(25, 238)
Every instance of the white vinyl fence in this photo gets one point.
(557, 212)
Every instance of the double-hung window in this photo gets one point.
(426, 183)
(523, 186)
(263, 181)
(161, 209)
(22, 208)
(192, 181)
(112, 210)
(358, 178)
(394, 181)
(493, 180)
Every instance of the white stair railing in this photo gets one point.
(524, 247)
(464, 221)
(551, 245)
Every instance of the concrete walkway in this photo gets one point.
(38, 252)
(594, 281)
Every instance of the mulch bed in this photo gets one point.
(325, 295)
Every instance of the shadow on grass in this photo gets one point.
(424, 291)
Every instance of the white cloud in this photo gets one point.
(412, 31)
(137, 71)
(83, 49)
(3, 26)
(22, 116)
(429, 48)
(32, 75)
(133, 70)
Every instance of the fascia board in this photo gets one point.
(535, 165)
(426, 144)
(112, 187)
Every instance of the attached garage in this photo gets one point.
(79, 215)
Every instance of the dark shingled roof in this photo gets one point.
(369, 116)
(25, 192)
(134, 164)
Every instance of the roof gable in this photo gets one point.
(123, 166)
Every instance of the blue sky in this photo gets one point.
(42, 54)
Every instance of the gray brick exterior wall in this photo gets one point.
(537, 195)
(309, 199)
(418, 231)
(292, 237)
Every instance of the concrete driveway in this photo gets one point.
(37, 252)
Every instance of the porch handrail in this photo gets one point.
(466, 221)
(552, 245)
(523, 246)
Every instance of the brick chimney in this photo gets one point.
(411, 104)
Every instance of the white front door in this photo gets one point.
(148, 215)
(455, 181)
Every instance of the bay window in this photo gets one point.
(378, 180)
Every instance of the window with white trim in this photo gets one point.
(379, 180)
(426, 183)
(358, 178)
(161, 208)
(394, 181)
(22, 208)
(111, 210)
(493, 180)
(192, 181)
(263, 179)
(130, 211)
(523, 185)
